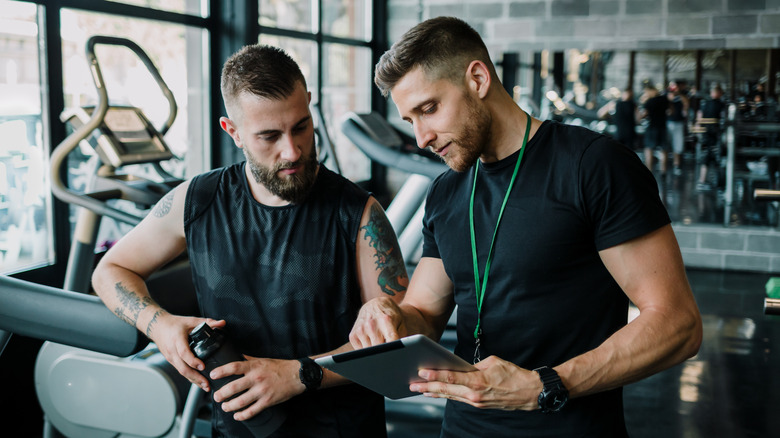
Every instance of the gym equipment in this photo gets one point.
(97, 376)
(772, 302)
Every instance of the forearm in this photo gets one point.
(126, 295)
(417, 322)
(653, 342)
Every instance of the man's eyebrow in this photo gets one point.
(418, 108)
(278, 131)
(303, 120)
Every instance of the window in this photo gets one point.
(292, 14)
(25, 203)
(346, 88)
(332, 47)
(178, 54)
(192, 7)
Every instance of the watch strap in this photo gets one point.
(549, 376)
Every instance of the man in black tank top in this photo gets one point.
(283, 253)
(568, 227)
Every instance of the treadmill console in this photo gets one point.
(125, 136)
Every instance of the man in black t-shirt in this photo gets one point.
(626, 115)
(654, 110)
(540, 234)
(283, 254)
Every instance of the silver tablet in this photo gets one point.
(389, 368)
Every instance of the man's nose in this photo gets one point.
(291, 150)
(424, 135)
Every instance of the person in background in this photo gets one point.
(711, 112)
(567, 226)
(625, 115)
(654, 110)
(675, 123)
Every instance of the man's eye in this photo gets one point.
(429, 110)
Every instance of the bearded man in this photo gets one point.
(283, 254)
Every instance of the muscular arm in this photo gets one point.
(119, 277)
(380, 267)
(667, 331)
(119, 280)
(380, 264)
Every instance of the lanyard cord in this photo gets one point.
(482, 285)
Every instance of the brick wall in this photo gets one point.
(521, 25)
(739, 249)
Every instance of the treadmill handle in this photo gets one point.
(65, 317)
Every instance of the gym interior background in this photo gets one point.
(562, 59)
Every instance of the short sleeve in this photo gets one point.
(430, 248)
(619, 194)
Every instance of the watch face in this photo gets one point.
(312, 374)
(553, 400)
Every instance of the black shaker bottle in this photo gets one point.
(212, 347)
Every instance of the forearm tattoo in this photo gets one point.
(389, 261)
(130, 304)
(163, 207)
(153, 323)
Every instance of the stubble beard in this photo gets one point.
(471, 140)
(292, 188)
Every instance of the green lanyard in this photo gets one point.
(482, 285)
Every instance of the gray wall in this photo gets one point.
(603, 24)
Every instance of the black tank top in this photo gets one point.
(284, 279)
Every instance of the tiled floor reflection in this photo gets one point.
(732, 387)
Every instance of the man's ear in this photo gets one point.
(230, 127)
(478, 78)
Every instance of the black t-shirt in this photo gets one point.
(676, 107)
(625, 121)
(656, 111)
(712, 109)
(284, 279)
(549, 296)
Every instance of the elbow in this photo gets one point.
(694, 334)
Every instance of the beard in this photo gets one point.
(471, 139)
(292, 188)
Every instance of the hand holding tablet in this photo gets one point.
(390, 368)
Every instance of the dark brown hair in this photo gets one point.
(443, 47)
(263, 71)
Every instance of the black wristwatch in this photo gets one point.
(554, 395)
(310, 373)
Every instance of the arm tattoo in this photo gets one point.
(389, 261)
(130, 304)
(163, 207)
(152, 323)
